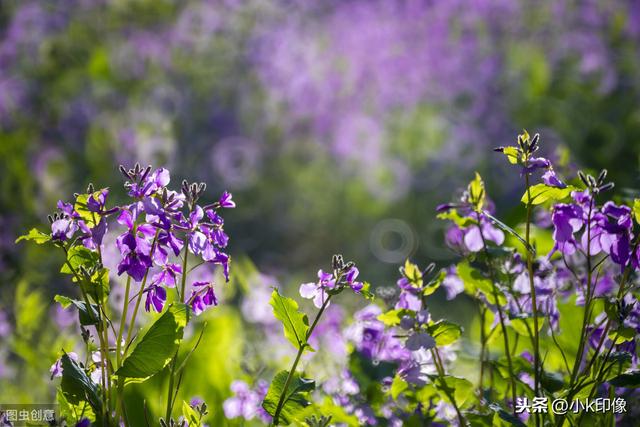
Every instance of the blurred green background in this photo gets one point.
(337, 125)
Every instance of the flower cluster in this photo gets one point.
(162, 229)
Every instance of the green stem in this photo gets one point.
(276, 415)
(507, 348)
(441, 374)
(587, 304)
(183, 286)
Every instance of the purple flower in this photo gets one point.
(96, 201)
(473, 239)
(245, 402)
(550, 178)
(536, 163)
(567, 220)
(350, 279)
(156, 297)
(226, 200)
(167, 276)
(63, 229)
(317, 291)
(202, 297)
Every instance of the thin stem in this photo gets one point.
(441, 374)
(483, 346)
(587, 303)
(276, 415)
(132, 321)
(534, 303)
(125, 309)
(174, 361)
(507, 349)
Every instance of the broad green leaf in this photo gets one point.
(98, 287)
(73, 412)
(296, 324)
(540, 193)
(295, 396)
(77, 386)
(474, 281)
(445, 332)
(79, 256)
(87, 316)
(156, 348)
(629, 379)
(35, 235)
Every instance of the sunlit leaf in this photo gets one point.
(296, 324)
(157, 347)
(88, 315)
(445, 332)
(36, 236)
(540, 193)
(295, 396)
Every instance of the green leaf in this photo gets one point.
(413, 273)
(622, 334)
(434, 284)
(460, 388)
(445, 332)
(474, 281)
(156, 348)
(636, 210)
(540, 193)
(87, 316)
(366, 291)
(98, 287)
(35, 235)
(523, 325)
(398, 385)
(79, 256)
(551, 381)
(504, 227)
(476, 192)
(512, 153)
(453, 215)
(77, 386)
(505, 416)
(295, 396)
(80, 206)
(392, 317)
(629, 379)
(190, 415)
(296, 324)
